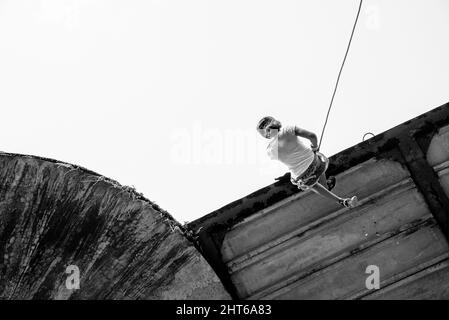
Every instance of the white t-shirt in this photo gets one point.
(291, 151)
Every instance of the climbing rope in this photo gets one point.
(339, 74)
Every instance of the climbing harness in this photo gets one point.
(304, 184)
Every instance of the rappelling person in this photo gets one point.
(307, 166)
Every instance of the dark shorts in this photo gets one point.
(312, 174)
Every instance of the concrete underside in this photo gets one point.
(54, 215)
(278, 243)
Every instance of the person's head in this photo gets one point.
(268, 127)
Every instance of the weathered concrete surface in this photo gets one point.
(53, 215)
(430, 284)
(279, 243)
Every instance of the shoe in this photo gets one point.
(349, 202)
(331, 182)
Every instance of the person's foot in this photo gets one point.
(331, 182)
(349, 202)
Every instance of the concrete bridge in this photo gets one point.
(279, 243)
(276, 243)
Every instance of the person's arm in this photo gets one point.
(308, 135)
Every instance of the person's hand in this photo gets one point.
(283, 178)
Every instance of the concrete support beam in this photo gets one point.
(427, 181)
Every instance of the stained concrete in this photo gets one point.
(54, 215)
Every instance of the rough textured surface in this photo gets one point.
(53, 215)
(279, 243)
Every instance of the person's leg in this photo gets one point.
(322, 180)
(325, 181)
(321, 190)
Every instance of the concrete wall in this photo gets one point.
(53, 215)
(279, 243)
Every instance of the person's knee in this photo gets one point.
(316, 188)
(322, 179)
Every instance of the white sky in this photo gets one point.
(165, 95)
